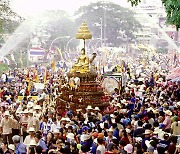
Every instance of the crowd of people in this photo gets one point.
(142, 117)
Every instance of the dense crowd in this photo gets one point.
(143, 117)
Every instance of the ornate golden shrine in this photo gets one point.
(88, 91)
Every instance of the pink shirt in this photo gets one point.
(167, 122)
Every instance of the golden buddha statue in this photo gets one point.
(82, 64)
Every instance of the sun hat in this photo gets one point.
(31, 111)
(89, 107)
(63, 119)
(96, 108)
(77, 110)
(25, 111)
(11, 147)
(30, 104)
(110, 129)
(31, 129)
(6, 113)
(56, 131)
(147, 132)
(19, 110)
(70, 136)
(128, 148)
(168, 112)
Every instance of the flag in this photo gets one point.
(29, 86)
(35, 52)
(20, 59)
(60, 53)
(37, 77)
(53, 65)
(45, 76)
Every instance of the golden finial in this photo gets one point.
(83, 33)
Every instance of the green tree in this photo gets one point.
(9, 20)
(172, 9)
(3, 68)
(117, 21)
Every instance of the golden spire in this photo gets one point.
(83, 32)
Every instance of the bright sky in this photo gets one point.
(32, 7)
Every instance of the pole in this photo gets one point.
(101, 33)
(84, 44)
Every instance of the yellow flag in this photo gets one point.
(60, 53)
(53, 65)
(45, 76)
(37, 77)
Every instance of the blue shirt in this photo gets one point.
(42, 144)
(20, 149)
(93, 150)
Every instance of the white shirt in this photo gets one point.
(55, 126)
(28, 140)
(101, 149)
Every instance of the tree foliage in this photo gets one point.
(173, 12)
(9, 20)
(116, 21)
(172, 9)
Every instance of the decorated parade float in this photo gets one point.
(83, 88)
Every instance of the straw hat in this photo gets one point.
(25, 111)
(30, 104)
(110, 129)
(19, 110)
(168, 112)
(31, 129)
(11, 147)
(6, 113)
(30, 111)
(147, 132)
(96, 108)
(77, 110)
(89, 107)
(56, 131)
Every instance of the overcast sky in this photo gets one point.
(32, 7)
